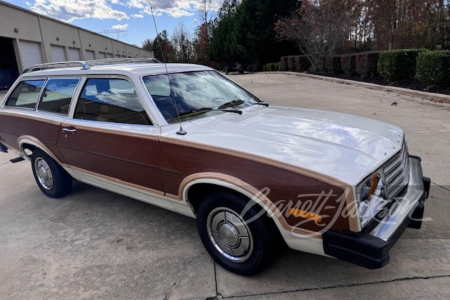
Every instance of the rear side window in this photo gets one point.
(110, 100)
(26, 94)
(57, 95)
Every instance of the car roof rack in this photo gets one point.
(86, 65)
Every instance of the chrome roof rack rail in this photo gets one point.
(86, 65)
(58, 65)
(116, 61)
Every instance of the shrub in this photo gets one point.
(302, 64)
(253, 68)
(434, 67)
(274, 67)
(333, 65)
(398, 64)
(284, 63)
(321, 66)
(367, 64)
(348, 64)
(271, 67)
(291, 63)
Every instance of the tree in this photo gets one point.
(147, 45)
(223, 46)
(184, 50)
(207, 11)
(245, 31)
(163, 43)
(320, 27)
(402, 24)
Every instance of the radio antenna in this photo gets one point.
(172, 91)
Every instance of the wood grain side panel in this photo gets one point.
(131, 159)
(285, 186)
(12, 127)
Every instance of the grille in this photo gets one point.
(396, 172)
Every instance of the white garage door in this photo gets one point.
(58, 53)
(30, 53)
(102, 55)
(74, 54)
(109, 55)
(90, 55)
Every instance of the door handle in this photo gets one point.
(69, 130)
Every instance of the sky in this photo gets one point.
(131, 16)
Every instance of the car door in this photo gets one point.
(35, 110)
(110, 141)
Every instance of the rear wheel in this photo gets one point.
(51, 178)
(242, 247)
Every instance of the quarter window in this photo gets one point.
(26, 94)
(110, 100)
(57, 95)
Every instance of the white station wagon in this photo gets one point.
(190, 140)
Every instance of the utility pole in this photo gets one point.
(117, 32)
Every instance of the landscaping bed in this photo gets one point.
(415, 69)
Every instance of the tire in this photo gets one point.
(245, 256)
(51, 178)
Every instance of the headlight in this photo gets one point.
(371, 197)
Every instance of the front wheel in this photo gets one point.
(242, 247)
(51, 178)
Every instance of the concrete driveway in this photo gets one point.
(97, 245)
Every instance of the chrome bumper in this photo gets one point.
(370, 248)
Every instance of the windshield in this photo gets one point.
(197, 94)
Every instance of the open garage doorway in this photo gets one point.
(9, 70)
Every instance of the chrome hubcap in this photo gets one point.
(229, 234)
(44, 174)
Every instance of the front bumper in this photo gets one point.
(370, 248)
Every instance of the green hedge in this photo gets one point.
(302, 64)
(271, 67)
(299, 63)
(434, 67)
(398, 64)
(284, 64)
(367, 64)
(334, 65)
(291, 63)
(348, 64)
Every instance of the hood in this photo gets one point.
(339, 145)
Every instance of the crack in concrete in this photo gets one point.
(179, 273)
(1, 165)
(338, 286)
(215, 279)
(216, 297)
(441, 187)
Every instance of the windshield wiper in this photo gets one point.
(262, 103)
(233, 103)
(198, 111)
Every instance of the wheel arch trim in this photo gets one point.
(243, 188)
(30, 140)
